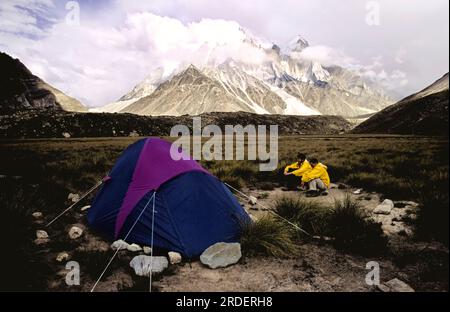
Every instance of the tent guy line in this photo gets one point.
(125, 239)
(269, 210)
(73, 205)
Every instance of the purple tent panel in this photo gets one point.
(154, 167)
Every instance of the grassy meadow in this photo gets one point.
(37, 175)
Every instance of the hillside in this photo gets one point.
(21, 90)
(38, 124)
(423, 113)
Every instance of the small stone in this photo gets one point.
(62, 256)
(41, 234)
(143, 265)
(252, 200)
(66, 135)
(134, 247)
(221, 255)
(85, 208)
(119, 244)
(75, 232)
(147, 250)
(395, 285)
(73, 197)
(174, 257)
(37, 215)
(357, 192)
(385, 207)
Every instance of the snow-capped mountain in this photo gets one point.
(280, 82)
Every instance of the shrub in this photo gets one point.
(268, 236)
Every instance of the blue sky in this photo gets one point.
(118, 42)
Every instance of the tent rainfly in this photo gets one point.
(191, 211)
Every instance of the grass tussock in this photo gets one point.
(309, 215)
(268, 236)
(345, 222)
(353, 230)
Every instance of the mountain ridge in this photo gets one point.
(422, 113)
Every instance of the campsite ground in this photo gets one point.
(38, 175)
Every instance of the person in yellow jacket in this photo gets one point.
(297, 170)
(317, 179)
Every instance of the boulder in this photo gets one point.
(134, 247)
(143, 264)
(385, 207)
(221, 255)
(395, 285)
(174, 257)
(40, 234)
(75, 232)
(119, 244)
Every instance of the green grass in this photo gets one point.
(432, 222)
(268, 236)
(345, 222)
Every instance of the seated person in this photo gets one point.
(317, 179)
(296, 171)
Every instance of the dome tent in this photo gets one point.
(192, 209)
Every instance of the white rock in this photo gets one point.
(119, 244)
(85, 208)
(37, 215)
(66, 135)
(134, 247)
(73, 197)
(62, 256)
(385, 207)
(221, 255)
(41, 234)
(252, 200)
(147, 250)
(174, 257)
(75, 232)
(395, 285)
(142, 265)
(358, 191)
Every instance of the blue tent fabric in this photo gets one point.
(109, 199)
(193, 210)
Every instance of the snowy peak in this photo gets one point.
(266, 81)
(297, 45)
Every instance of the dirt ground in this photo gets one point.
(318, 266)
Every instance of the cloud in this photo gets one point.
(118, 43)
(24, 17)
